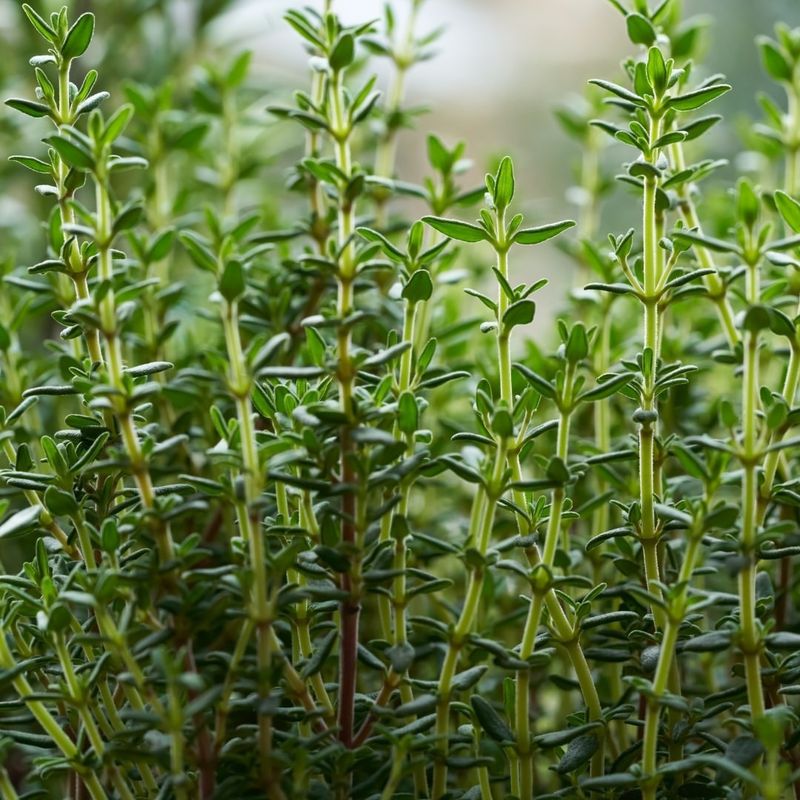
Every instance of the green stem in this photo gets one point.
(792, 170)
(7, 790)
(666, 662)
(750, 632)
(115, 367)
(239, 382)
(647, 489)
(45, 518)
(46, 720)
(481, 523)
(714, 284)
(77, 271)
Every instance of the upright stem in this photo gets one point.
(386, 151)
(46, 720)
(750, 633)
(114, 365)
(647, 427)
(715, 286)
(77, 270)
(240, 384)
(792, 169)
(666, 661)
(350, 607)
(481, 523)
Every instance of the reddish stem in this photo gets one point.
(350, 608)
(206, 760)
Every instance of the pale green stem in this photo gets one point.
(481, 523)
(647, 488)
(114, 365)
(47, 721)
(714, 284)
(260, 614)
(666, 661)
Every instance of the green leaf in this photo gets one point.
(504, 184)
(79, 37)
(761, 317)
(579, 752)
(438, 155)
(238, 71)
(747, 202)
(21, 522)
(619, 91)
(614, 533)
(789, 209)
(673, 137)
(520, 313)
(640, 29)
(343, 53)
(29, 107)
(50, 391)
(695, 238)
(419, 287)
(388, 248)
(150, 368)
(72, 154)
(697, 128)
(712, 642)
(60, 503)
(557, 470)
(542, 232)
(777, 67)
(232, 282)
(461, 231)
(542, 385)
(91, 103)
(502, 424)
(401, 657)
(160, 245)
(407, 413)
(577, 344)
(698, 98)
(199, 251)
(117, 123)
(39, 24)
(33, 164)
(656, 69)
(490, 721)
(607, 385)
(319, 655)
(387, 355)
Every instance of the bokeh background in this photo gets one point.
(501, 69)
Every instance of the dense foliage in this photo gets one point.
(287, 514)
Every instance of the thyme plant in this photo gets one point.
(301, 498)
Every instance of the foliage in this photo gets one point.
(289, 511)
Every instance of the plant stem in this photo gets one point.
(77, 271)
(750, 633)
(651, 275)
(350, 608)
(386, 151)
(45, 518)
(481, 523)
(792, 168)
(7, 790)
(714, 284)
(240, 383)
(47, 721)
(114, 365)
(666, 662)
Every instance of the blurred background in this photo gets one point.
(500, 70)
